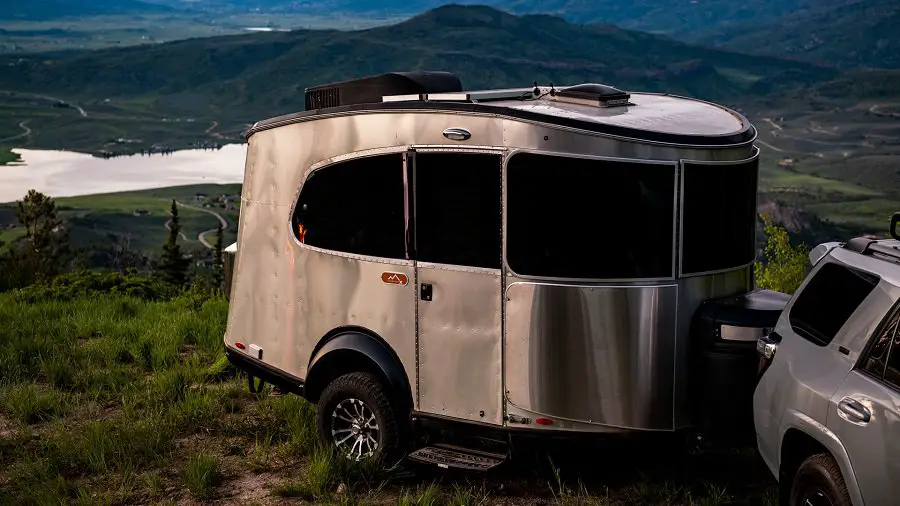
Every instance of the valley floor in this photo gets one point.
(112, 400)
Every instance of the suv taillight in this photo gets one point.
(766, 347)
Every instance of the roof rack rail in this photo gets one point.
(464, 96)
(868, 245)
(859, 245)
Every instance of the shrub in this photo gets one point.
(785, 266)
(88, 283)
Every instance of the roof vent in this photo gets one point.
(595, 94)
(371, 89)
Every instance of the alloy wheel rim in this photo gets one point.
(816, 497)
(354, 429)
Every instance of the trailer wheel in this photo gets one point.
(819, 482)
(355, 417)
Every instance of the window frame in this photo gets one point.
(676, 172)
(338, 160)
(684, 164)
(886, 322)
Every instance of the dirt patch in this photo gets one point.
(249, 488)
(7, 428)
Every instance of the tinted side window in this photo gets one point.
(458, 209)
(719, 216)
(877, 356)
(892, 371)
(355, 207)
(581, 218)
(828, 300)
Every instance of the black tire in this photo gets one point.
(346, 393)
(819, 480)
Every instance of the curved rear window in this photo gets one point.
(718, 216)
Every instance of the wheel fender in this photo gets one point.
(797, 420)
(331, 354)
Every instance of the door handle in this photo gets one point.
(853, 411)
(425, 291)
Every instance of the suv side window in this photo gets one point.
(877, 355)
(892, 371)
(356, 206)
(828, 300)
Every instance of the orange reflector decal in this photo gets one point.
(240, 346)
(394, 278)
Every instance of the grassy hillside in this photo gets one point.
(848, 34)
(680, 19)
(118, 400)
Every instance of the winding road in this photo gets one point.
(25, 132)
(202, 235)
(875, 110)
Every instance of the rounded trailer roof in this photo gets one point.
(653, 113)
(642, 117)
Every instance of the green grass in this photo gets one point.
(115, 400)
(201, 475)
(872, 214)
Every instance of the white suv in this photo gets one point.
(827, 405)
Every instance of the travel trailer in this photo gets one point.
(540, 261)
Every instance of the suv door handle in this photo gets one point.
(852, 410)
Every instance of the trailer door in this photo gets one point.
(457, 244)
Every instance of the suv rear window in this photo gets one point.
(828, 300)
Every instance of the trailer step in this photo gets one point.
(448, 456)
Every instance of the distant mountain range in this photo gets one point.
(843, 33)
(32, 10)
(258, 75)
(848, 33)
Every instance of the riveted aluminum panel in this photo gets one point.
(460, 372)
(283, 156)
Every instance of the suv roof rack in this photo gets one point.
(884, 249)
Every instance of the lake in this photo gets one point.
(68, 174)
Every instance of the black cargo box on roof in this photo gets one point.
(368, 90)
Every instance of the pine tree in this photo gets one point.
(173, 265)
(218, 260)
(46, 239)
